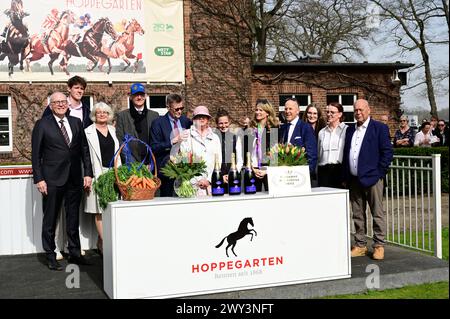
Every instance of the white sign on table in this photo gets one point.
(288, 180)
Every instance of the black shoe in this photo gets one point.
(78, 260)
(54, 265)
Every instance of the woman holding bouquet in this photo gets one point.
(103, 144)
(263, 135)
(202, 143)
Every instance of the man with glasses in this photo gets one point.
(165, 132)
(59, 151)
(136, 121)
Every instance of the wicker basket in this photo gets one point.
(133, 193)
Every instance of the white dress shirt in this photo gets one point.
(355, 148)
(420, 139)
(291, 128)
(331, 145)
(76, 110)
(66, 125)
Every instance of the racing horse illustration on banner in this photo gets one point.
(51, 43)
(240, 233)
(16, 37)
(123, 47)
(91, 45)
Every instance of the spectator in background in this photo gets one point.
(442, 133)
(424, 138)
(384, 119)
(313, 116)
(433, 123)
(404, 136)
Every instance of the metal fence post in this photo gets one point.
(436, 160)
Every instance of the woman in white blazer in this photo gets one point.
(103, 144)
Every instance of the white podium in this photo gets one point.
(166, 247)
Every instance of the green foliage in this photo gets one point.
(124, 172)
(105, 187)
(437, 290)
(287, 155)
(428, 151)
(184, 166)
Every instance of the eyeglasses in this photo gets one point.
(61, 102)
(179, 109)
(331, 112)
(403, 121)
(441, 124)
(101, 112)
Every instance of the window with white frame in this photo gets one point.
(347, 101)
(302, 99)
(5, 124)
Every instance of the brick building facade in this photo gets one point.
(219, 73)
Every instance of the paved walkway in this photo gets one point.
(26, 276)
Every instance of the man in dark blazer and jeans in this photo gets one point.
(59, 148)
(166, 131)
(367, 155)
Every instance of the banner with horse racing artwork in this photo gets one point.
(101, 40)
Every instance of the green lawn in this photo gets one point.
(422, 240)
(437, 290)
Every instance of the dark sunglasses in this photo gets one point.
(179, 109)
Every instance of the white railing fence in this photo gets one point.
(412, 202)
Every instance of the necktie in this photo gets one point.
(286, 132)
(64, 132)
(176, 131)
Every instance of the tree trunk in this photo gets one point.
(429, 81)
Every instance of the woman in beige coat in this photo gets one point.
(103, 144)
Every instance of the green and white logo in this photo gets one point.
(164, 51)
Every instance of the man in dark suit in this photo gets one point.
(59, 148)
(367, 155)
(76, 86)
(165, 132)
(299, 133)
(136, 121)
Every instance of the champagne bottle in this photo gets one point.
(249, 177)
(217, 187)
(234, 178)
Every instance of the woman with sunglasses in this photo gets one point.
(404, 136)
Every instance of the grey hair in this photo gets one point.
(103, 107)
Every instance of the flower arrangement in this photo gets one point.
(287, 155)
(183, 167)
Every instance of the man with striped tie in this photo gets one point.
(59, 148)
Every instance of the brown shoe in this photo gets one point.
(359, 251)
(378, 253)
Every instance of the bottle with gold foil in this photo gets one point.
(234, 178)
(217, 187)
(249, 177)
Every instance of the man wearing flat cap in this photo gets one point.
(136, 121)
